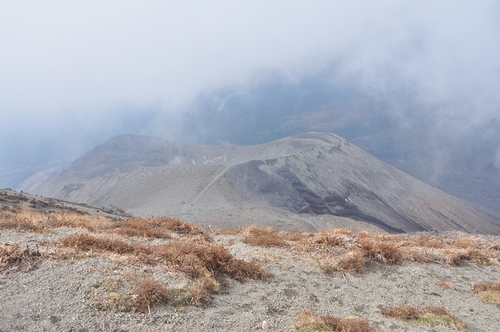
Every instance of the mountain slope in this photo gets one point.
(459, 158)
(308, 174)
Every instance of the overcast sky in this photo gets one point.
(69, 68)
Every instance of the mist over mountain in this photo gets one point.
(415, 84)
(462, 163)
(463, 160)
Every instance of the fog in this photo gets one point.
(76, 73)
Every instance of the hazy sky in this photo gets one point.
(69, 68)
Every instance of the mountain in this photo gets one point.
(462, 159)
(297, 179)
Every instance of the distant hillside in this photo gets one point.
(11, 200)
(465, 165)
(303, 176)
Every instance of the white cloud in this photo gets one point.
(67, 63)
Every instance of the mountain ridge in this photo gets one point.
(308, 174)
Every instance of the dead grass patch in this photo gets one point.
(488, 293)
(428, 316)
(149, 293)
(331, 238)
(178, 226)
(91, 243)
(114, 293)
(307, 321)
(351, 262)
(150, 228)
(203, 262)
(14, 259)
(396, 249)
(33, 220)
(264, 237)
(384, 251)
(296, 236)
(161, 228)
(140, 293)
(155, 228)
(130, 292)
(193, 256)
(195, 259)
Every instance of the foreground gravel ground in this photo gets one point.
(58, 295)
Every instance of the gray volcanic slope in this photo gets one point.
(303, 176)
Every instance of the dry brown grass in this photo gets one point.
(115, 292)
(193, 257)
(206, 264)
(203, 262)
(344, 248)
(307, 321)
(15, 259)
(429, 316)
(149, 228)
(200, 291)
(156, 228)
(91, 243)
(178, 226)
(196, 259)
(402, 312)
(351, 262)
(149, 293)
(264, 237)
(34, 220)
(138, 292)
(330, 238)
(11, 222)
(384, 251)
(488, 293)
(446, 284)
(342, 245)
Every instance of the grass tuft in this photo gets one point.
(149, 293)
(155, 228)
(85, 242)
(195, 260)
(203, 262)
(488, 293)
(15, 259)
(264, 237)
(351, 262)
(33, 220)
(307, 321)
(386, 252)
(395, 249)
(428, 316)
(142, 227)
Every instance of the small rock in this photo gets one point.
(265, 325)
(54, 319)
(313, 297)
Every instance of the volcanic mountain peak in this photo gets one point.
(129, 151)
(305, 176)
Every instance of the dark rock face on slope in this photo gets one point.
(307, 174)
